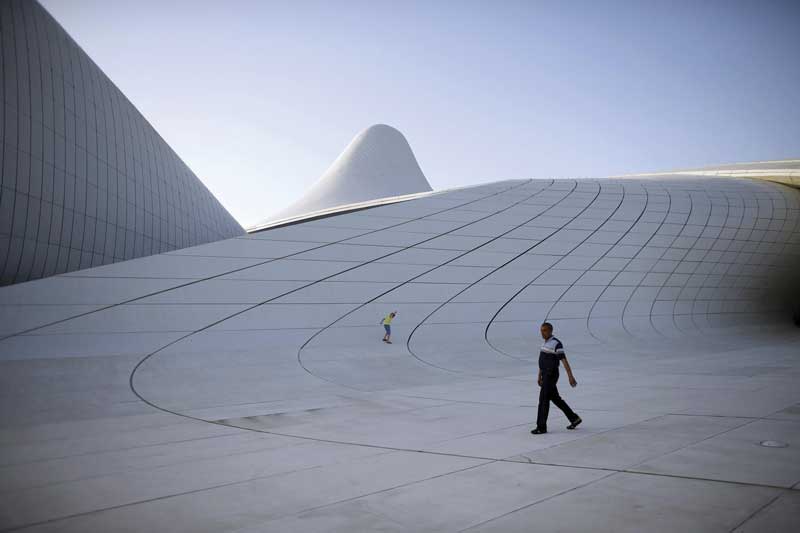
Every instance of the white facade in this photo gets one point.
(242, 385)
(377, 164)
(85, 180)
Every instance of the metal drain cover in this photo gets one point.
(773, 444)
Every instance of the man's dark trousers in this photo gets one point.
(549, 393)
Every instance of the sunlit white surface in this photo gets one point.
(378, 163)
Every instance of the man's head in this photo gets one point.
(393, 314)
(547, 330)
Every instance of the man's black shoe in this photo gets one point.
(575, 423)
(538, 431)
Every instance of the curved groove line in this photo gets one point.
(528, 284)
(466, 252)
(599, 191)
(233, 271)
(641, 281)
(731, 263)
(693, 300)
(646, 243)
(223, 319)
(571, 285)
(496, 269)
(692, 201)
(610, 282)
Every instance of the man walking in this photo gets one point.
(550, 355)
(387, 326)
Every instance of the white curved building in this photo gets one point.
(241, 385)
(86, 180)
(377, 167)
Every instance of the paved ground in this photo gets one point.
(242, 385)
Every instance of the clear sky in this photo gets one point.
(260, 97)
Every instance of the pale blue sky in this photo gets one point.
(260, 97)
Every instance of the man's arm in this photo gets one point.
(572, 381)
(539, 379)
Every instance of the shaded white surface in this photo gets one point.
(75, 192)
(263, 399)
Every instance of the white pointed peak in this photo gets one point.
(377, 164)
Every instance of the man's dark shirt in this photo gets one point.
(550, 354)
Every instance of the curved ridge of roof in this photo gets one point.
(378, 163)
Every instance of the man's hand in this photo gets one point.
(572, 381)
(539, 380)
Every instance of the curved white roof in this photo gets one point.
(378, 163)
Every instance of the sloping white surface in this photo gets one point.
(378, 163)
(785, 171)
(242, 385)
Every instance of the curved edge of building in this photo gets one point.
(377, 164)
(785, 171)
(86, 180)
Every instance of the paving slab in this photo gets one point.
(626, 502)
(738, 455)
